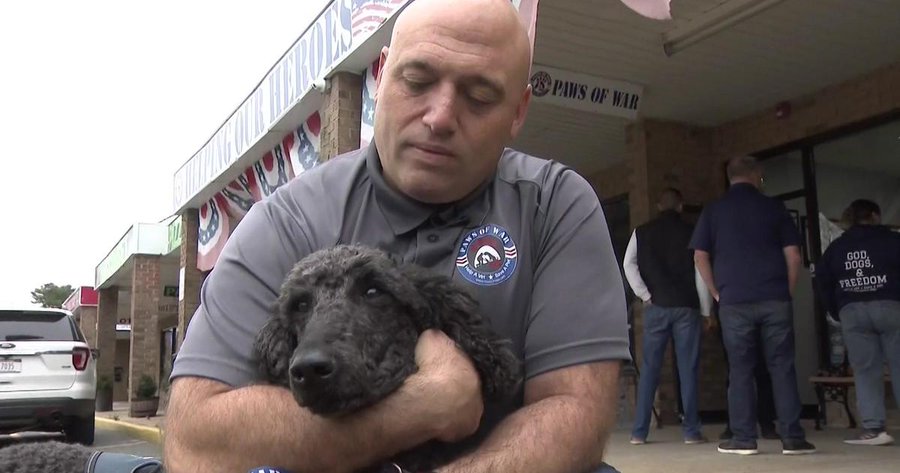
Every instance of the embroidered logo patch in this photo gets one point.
(487, 256)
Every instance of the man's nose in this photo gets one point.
(312, 366)
(442, 115)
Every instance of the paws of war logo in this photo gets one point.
(487, 256)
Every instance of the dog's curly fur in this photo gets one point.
(362, 310)
(52, 456)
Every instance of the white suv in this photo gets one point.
(47, 374)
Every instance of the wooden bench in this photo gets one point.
(834, 388)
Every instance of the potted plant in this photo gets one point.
(145, 402)
(104, 400)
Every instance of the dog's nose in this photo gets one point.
(312, 365)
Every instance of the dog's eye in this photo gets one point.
(373, 292)
(301, 303)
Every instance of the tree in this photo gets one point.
(50, 295)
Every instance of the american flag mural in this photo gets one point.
(367, 119)
(240, 194)
(297, 152)
(305, 148)
(213, 232)
(368, 15)
(271, 172)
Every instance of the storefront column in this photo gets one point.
(146, 291)
(341, 115)
(190, 278)
(107, 315)
(88, 324)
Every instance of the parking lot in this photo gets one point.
(106, 440)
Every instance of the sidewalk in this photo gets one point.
(665, 452)
(149, 429)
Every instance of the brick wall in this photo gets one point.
(193, 277)
(146, 291)
(107, 315)
(871, 95)
(341, 115)
(88, 324)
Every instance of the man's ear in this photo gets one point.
(521, 112)
(379, 71)
(451, 309)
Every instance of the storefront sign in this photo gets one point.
(167, 308)
(123, 324)
(174, 235)
(114, 260)
(327, 40)
(83, 296)
(584, 92)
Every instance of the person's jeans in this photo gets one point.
(772, 323)
(684, 326)
(872, 335)
(765, 402)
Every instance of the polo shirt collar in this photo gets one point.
(405, 214)
(743, 187)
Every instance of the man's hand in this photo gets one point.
(710, 323)
(451, 387)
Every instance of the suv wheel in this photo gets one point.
(81, 430)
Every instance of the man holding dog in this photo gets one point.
(438, 188)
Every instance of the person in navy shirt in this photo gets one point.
(859, 282)
(747, 250)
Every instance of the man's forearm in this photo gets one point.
(558, 434)
(793, 261)
(274, 431)
(705, 269)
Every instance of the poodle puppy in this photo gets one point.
(44, 456)
(60, 457)
(344, 331)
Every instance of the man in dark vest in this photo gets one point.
(660, 269)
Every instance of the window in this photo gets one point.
(18, 325)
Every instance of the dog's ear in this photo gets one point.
(274, 346)
(454, 311)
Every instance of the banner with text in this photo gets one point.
(311, 57)
(584, 92)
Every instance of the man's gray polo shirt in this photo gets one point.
(532, 244)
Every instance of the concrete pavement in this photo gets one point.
(666, 452)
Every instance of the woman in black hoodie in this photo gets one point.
(859, 280)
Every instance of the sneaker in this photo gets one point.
(637, 441)
(738, 447)
(797, 447)
(871, 437)
(695, 440)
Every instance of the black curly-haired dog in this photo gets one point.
(60, 457)
(344, 332)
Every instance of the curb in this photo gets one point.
(149, 434)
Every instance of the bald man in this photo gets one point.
(437, 184)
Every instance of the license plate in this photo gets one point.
(10, 366)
